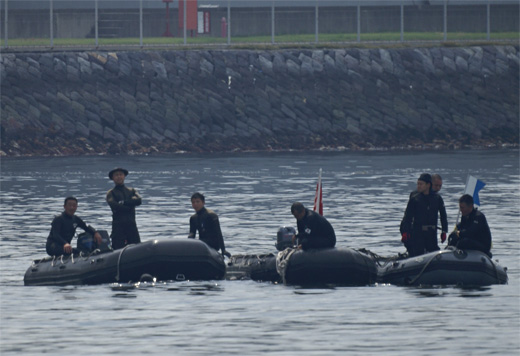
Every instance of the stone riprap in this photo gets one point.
(224, 100)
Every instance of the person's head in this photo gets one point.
(424, 183)
(436, 182)
(118, 175)
(197, 201)
(298, 210)
(70, 205)
(466, 204)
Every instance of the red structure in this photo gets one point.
(167, 33)
(191, 16)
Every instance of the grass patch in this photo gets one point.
(309, 39)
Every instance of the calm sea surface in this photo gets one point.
(364, 195)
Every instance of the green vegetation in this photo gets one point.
(300, 39)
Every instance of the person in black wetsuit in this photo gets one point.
(63, 228)
(123, 200)
(472, 233)
(206, 222)
(314, 231)
(436, 183)
(419, 225)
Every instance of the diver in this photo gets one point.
(206, 222)
(122, 201)
(472, 232)
(314, 231)
(64, 227)
(419, 225)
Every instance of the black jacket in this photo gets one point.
(63, 228)
(423, 211)
(314, 231)
(206, 222)
(474, 227)
(123, 200)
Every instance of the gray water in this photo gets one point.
(364, 195)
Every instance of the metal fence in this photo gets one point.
(96, 23)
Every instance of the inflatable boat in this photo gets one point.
(314, 267)
(335, 266)
(174, 259)
(444, 267)
(260, 268)
(331, 266)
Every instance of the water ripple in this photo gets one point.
(364, 195)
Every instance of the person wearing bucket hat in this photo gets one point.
(122, 201)
(419, 225)
(118, 169)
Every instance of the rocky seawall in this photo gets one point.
(223, 100)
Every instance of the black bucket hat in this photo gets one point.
(118, 169)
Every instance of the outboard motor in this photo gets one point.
(284, 237)
(86, 243)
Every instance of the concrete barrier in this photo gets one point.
(224, 100)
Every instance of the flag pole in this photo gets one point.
(318, 202)
(458, 214)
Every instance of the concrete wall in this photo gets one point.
(219, 100)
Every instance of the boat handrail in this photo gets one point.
(437, 255)
(86, 256)
(119, 261)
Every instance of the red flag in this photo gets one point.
(318, 198)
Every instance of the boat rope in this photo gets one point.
(424, 268)
(119, 261)
(282, 261)
(382, 260)
(84, 256)
(55, 259)
(367, 267)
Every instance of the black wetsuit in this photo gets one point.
(123, 200)
(420, 221)
(314, 231)
(62, 231)
(206, 222)
(474, 233)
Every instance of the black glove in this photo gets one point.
(453, 239)
(225, 253)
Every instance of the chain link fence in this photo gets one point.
(148, 23)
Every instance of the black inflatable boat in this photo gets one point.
(336, 266)
(444, 267)
(344, 266)
(174, 259)
(260, 268)
(331, 266)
